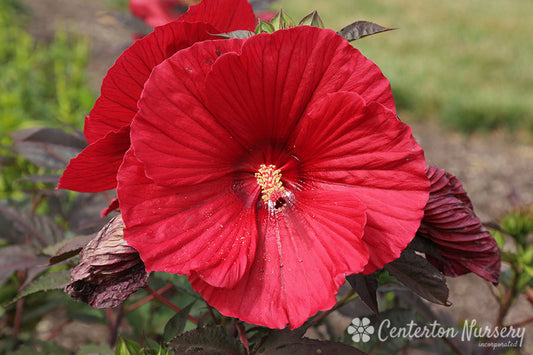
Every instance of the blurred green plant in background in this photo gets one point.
(466, 65)
(40, 84)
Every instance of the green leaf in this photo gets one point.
(282, 20)
(360, 29)
(420, 276)
(49, 281)
(209, 341)
(127, 346)
(91, 349)
(264, 27)
(176, 324)
(313, 19)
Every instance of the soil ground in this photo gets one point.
(495, 168)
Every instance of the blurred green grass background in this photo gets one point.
(466, 64)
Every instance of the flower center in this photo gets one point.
(272, 190)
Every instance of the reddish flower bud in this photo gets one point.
(109, 270)
(463, 244)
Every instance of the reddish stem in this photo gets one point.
(148, 299)
(169, 304)
(522, 322)
(211, 313)
(55, 332)
(18, 318)
(242, 336)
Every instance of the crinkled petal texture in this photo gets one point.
(124, 82)
(320, 116)
(449, 221)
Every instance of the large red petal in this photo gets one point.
(206, 228)
(224, 15)
(174, 135)
(95, 168)
(450, 222)
(343, 140)
(261, 94)
(124, 82)
(302, 255)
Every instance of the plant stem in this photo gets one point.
(18, 318)
(522, 322)
(349, 296)
(114, 325)
(169, 304)
(55, 332)
(148, 298)
(508, 297)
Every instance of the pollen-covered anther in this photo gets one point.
(272, 190)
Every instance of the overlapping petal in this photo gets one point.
(95, 168)
(302, 254)
(175, 136)
(450, 222)
(262, 93)
(225, 16)
(200, 228)
(345, 141)
(124, 82)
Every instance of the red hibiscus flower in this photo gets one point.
(266, 169)
(107, 126)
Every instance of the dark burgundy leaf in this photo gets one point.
(366, 287)
(47, 147)
(420, 276)
(451, 224)
(18, 258)
(84, 217)
(360, 29)
(176, 324)
(41, 230)
(45, 178)
(68, 248)
(289, 342)
(49, 136)
(208, 340)
(307, 346)
(425, 246)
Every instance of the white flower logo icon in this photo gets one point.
(361, 330)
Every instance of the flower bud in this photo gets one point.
(109, 269)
